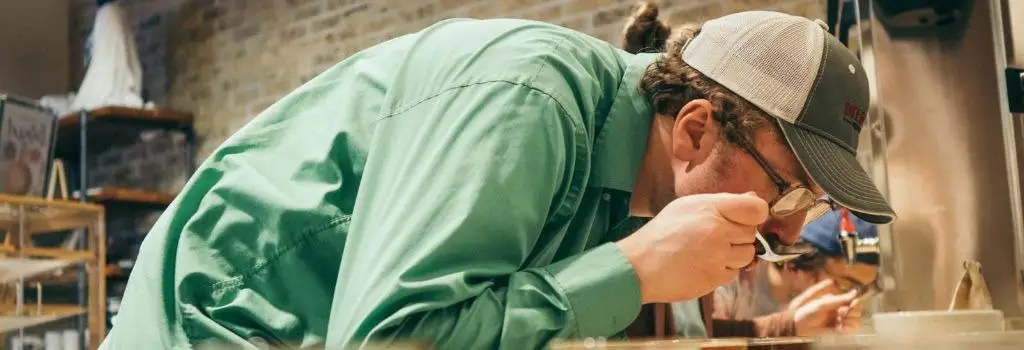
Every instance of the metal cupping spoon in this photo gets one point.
(774, 251)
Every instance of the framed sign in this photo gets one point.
(28, 135)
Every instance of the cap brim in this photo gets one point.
(837, 171)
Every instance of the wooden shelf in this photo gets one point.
(118, 195)
(690, 343)
(169, 117)
(33, 315)
(38, 215)
(11, 269)
(25, 261)
(116, 272)
(65, 278)
(112, 126)
(32, 216)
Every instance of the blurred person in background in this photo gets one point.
(815, 289)
(773, 290)
(469, 186)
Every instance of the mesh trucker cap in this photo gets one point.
(817, 90)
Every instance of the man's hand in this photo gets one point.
(849, 316)
(696, 243)
(818, 290)
(827, 313)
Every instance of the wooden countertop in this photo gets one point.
(717, 343)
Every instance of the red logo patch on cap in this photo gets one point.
(854, 114)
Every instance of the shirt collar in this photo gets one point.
(622, 141)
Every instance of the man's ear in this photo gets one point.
(695, 131)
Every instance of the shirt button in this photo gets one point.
(606, 196)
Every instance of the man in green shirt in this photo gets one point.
(469, 186)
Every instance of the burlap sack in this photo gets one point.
(972, 291)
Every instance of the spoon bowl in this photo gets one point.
(774, 251)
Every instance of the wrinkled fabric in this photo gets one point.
(460, 186)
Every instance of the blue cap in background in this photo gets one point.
(823, 234)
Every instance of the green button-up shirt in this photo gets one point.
(459, 186)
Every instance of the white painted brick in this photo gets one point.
(231, 44)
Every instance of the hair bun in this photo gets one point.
(643, 31)
(646, 11)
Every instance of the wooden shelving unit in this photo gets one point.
(114, 126)
(116, 272)
(164, 116)
(37, 315)
(26, 267)
(84, 134)
(118, 195)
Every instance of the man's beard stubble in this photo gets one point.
(711, 176)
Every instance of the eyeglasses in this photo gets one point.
(807, 262)
(792, 198)
(864, 290)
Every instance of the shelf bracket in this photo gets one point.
(1015, 89)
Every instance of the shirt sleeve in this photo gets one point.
(463, 192)
(725, 300)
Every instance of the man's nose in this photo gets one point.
(787, 228)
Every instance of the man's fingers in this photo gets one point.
(740, 256)
(824, 287)
(853, 311)
(740, 235)
(745, 209)
(850, 316)
(857, 305)
(834, 302)
(851, 324)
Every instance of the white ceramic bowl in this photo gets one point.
(995, 340)
(923, 323)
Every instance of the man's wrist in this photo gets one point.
(601, 288)
(779, 324)
(634, 252)
(788, 325)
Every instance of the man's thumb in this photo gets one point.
(745, 209)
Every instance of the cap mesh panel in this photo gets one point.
(767, 58)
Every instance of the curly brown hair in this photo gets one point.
(670, 83)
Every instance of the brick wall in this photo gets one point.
(226, 60)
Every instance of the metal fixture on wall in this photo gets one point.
(872, 152)
(1015, 89)
(921, 17)
(944, 149)
(1008, 40)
